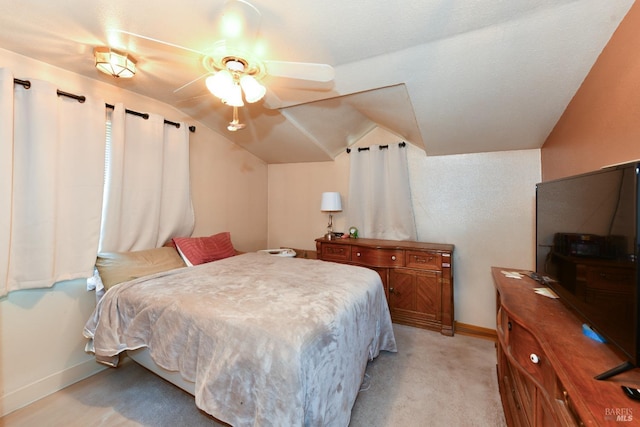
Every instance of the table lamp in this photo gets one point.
(330, 203)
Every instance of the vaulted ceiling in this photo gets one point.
(449, 76)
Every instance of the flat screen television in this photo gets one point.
(587, 251)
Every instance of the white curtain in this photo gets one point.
(6, 172)
(147, 191)
(56, 175)
(380, 195)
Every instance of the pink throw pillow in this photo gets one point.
(198, 250)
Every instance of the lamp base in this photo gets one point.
(333, 235)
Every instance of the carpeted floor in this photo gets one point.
(433, 380)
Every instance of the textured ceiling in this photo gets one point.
(449, 76)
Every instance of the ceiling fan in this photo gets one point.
(233, 69)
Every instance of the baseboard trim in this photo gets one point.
(476, 331)
(46, 386)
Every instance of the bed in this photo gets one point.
(257, 339)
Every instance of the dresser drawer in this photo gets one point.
(335, 252)
(377, 257)
(425, 260)
(528, 353)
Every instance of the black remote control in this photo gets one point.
(535, 276)
(632, 392)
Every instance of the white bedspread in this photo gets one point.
(266, 340)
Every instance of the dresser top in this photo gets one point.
(390, 244)
(575, 358)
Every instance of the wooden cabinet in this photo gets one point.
(417, 276)
(546, 366)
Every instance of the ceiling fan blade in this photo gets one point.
(271, 100)
(193, 99)
(140, 36)
(191, 82)
(300, 70)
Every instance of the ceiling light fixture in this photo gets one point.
(114, 63)
(231, 83)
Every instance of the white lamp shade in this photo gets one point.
(220, 84)
(234, 97)
(253, 91)
(331, 202)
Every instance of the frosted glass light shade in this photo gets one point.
(225, 86)
(220, 84)
(331, 202)
(253, 91)
(114, 63)
(234, 97)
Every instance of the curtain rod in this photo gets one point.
(80, 98)
(146, 116)
(381, 147)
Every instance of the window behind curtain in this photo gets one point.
(379, 193)
(56, 186)
(147, 197)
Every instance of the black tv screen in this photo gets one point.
(587, 249)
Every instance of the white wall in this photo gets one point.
(41, 343)
(481, 203)
(484, 204)
(229, 190)
(41, 346)
(295, 190)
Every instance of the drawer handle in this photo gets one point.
(358, 254)
(534, 358)
(514, 394)
(393, 258)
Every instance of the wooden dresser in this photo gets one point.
(417, 276)
(546, 366)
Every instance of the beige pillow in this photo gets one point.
(118, 267)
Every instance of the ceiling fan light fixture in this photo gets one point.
(114, 63)
(220, 84)
(234, 96)
(230, 84)
(253, 91)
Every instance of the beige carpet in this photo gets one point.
(432, 381)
